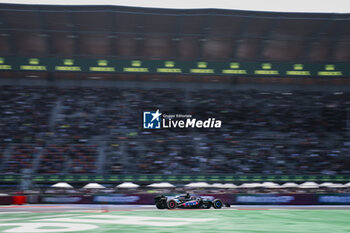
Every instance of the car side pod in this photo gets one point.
(217, 204)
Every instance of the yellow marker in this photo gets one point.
(234, 65)
(268, 72)
(266, 66)
(5, 67)
(234, 71)
(298, 66)
(169, 70)
(298, 72)
(330, 73)
(33, 61)
(67, 68)
(329, 67)
(202, 71)
(27, 67)
(2, 60)
(136, 63)
(202, 64)
(68, 62)
(169, 64)
(102, 62)
(102, 69)
(133, 69)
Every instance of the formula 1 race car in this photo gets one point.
(186, 201)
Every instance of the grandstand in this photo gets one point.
(75, 81)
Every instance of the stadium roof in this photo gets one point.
(334, 6)
(151, 33)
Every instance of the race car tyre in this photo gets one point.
(160, 205)
(206, 206)
(217, 204)
(171, 204)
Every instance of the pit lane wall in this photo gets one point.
(233, 199)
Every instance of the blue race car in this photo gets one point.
(187, 201)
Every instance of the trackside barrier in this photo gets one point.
(19, 200)
(233, 199)
(6, 200)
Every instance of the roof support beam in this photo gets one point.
(73, 32)
(205, 29)
(314, 39)
(176, 40)
(337, 38)
(112, 34)
(8, 33)
(140, 36)
(266, 37)
(237, 39)
(45, 31)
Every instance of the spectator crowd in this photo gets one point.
(89, 130)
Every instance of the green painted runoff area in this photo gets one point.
(180, 221)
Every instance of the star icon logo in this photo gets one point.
(152, 119)
(156, 115)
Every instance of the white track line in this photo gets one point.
(16, 212)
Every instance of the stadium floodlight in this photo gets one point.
(94, 186)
